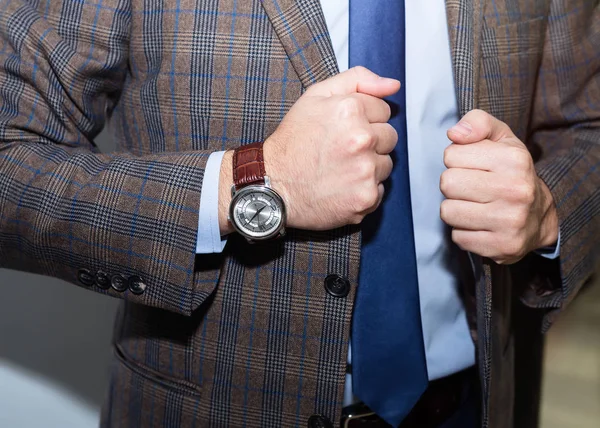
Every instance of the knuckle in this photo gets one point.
(389, 166)
(459, 239)
(366, 171)
(360, 70)
(394, 133)
(388, 137)
(448, 151)
(350, 107)
(445, 210)
(524, 192)
(516, 222)
(388, 112)
(487, 118)
(519, 158)
(366, 200)
(512, 248)
(480, 117)
(361, 140)
(446, 182)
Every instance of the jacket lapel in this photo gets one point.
(301, 28)
(465, 18)
(464, 24)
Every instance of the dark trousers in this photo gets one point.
(467, 415)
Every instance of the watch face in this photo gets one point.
(257, 212)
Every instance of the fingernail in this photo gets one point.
(462, 128)
(388, 80)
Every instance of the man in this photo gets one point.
(259, 334)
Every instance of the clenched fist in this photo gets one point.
(330, 154)
(496, 204)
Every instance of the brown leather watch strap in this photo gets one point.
(248, 165)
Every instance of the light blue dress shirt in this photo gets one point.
(431, 110)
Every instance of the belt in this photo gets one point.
(439, 402)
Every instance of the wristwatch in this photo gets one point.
(257, 212)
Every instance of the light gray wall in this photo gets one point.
(54, 350)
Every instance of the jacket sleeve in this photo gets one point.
(67, 210)
(566, 134)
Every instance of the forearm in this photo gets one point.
(569, 173)
(225, 183)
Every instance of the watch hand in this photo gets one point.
(257, 213)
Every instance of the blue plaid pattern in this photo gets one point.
(251, 338)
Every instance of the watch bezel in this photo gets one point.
(254, 236)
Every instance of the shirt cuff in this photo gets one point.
(209, 233)
(552, 252)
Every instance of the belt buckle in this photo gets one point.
(354, 417)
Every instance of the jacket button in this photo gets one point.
(337, 285)
(118, 282)
(102, 280)
(319, 421)
(85, 277)
(136, 284)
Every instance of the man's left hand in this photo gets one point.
(496, 204)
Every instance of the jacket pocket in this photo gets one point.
(156, 378)
(140, 398)
(514, 38)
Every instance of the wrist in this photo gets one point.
(273, 155)
(549, 224)
(225, 182)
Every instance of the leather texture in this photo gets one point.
(248, 165)
(252, 338)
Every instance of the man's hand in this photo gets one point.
(496, 204)
(330, 154)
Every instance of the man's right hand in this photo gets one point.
(330, 154)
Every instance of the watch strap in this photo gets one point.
(248, 165)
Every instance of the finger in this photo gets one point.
(477, 125)
(468, 215)
(482, 155)
(478, 242)
(357, 79)
(472, 185)
(488, 244)
(486, 155)
(383, 167)
(376, 110)
(381, 194)
(386, 138)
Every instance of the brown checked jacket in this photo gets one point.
(251, 337)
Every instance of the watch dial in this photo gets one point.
(257, 213)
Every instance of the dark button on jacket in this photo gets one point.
(337, 285)
(102, 280)
(319, 421)
(85, 277)
(118, 282)
(136, 284)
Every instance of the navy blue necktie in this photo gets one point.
(389, 371)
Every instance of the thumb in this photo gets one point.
(357, 79)
(477, 125)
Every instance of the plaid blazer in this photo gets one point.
(250, 337)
